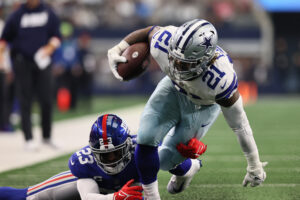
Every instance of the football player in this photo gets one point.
(200, 83)
(103, 170)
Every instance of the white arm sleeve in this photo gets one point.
(237, 120)
(88, 190)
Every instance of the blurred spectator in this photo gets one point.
(88, 64)
(8, 103)
(32, 31)
(4, 86)
(6, 94)
(67, 69)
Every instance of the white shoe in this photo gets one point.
(50, 143)
(30, 145)
(179, 183)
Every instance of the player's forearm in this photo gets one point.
(92, 196)
(248, 145)
(140, 35)
(237, 120)
(88, 190)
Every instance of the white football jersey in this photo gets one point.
(219, 81)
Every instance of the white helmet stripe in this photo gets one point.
(191, 35)
(184, 32)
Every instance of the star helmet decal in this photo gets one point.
(207, 42)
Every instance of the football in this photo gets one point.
(137, 60)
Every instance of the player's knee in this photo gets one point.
(150, 131)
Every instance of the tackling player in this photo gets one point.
(103, 170)
(200, 82)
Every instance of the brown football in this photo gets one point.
(136, 56)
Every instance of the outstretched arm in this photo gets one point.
(88, 190)
(236, 118)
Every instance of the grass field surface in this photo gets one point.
(276, 127)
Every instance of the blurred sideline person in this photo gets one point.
(88, 62)
(5, 83)
(103, 170)
(66, 66)
(200, 82)
(6, 94)
(32, 33)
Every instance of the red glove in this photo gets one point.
(194, 149)
(129, 193)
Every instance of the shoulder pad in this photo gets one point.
(80, 162)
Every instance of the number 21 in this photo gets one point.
(212, 82)
(165, 42)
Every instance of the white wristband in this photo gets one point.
(123, 45)
(253, 160)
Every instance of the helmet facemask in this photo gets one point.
(187, 70)
(113, 159)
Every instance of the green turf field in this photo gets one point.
(276, 127)
(98, 104)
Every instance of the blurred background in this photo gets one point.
(260, 35)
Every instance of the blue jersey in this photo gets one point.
(63, 185)
(83, 165)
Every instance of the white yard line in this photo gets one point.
(69, 134)
(239, 185)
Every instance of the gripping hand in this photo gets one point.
(129, 192)
(193, 150)
(255, 176)
(114, 57)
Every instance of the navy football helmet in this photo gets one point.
(111, 143)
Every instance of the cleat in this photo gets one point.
(50, 143)
(31, 146)
(179, 183)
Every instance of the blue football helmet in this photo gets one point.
(111, 143)
(191, 49)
